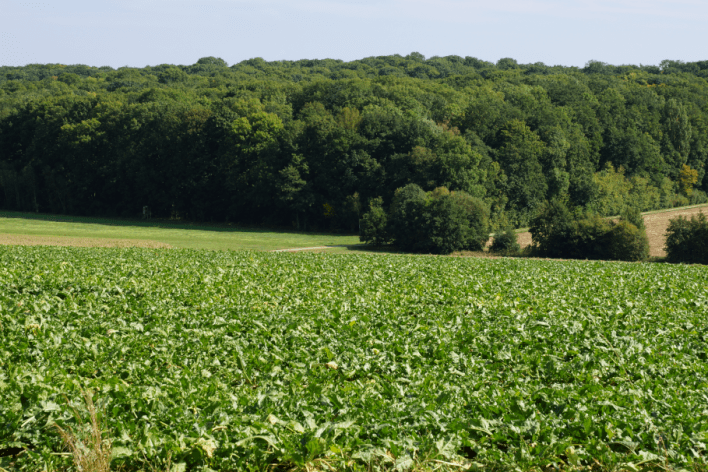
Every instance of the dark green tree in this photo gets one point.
(519, 152)
(676, 144)
(373, 228)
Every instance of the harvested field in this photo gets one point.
(23, 240)
(656, 224)
(524, 239)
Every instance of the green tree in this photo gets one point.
(676, 144)
(172, 75)
(687, 240)
(293, 189)
(477, 219)
(438, 222)
(687, 179)
(445, 227)
(631, 214)
(373, 226)
(405, 225)
(505, 242)
(519, 152)
(212, 61)
(551, 229)
(627, 242)
(487, 113)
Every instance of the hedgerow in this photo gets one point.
(687, 240)
(556, 232)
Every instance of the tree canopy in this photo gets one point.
(313, 143)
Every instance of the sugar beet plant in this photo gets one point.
(253, 361)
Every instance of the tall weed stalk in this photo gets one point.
(90, 451)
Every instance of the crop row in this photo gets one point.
(242, 361)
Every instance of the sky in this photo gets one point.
(138, 33)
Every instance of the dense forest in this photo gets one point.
(312, 143)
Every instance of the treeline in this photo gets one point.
(314, 143)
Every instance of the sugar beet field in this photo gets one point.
(232, 361)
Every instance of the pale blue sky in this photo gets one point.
(151, 32)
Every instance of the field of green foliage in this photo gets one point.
(251, 361)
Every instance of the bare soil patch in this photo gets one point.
(656, 224)
(25, 240)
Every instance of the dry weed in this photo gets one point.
(91, 452)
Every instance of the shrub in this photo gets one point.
(505, 242)
(373, 225)
(698, 197)
(556, 233)
(632, 215)
(687, 240)
(445, 227)
(406, 209)
(438, 222)
(674, 201)
(627, 242)
(551, 228)
(477, 215)
(588, 238)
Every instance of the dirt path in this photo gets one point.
(24, 240)
(656, 224)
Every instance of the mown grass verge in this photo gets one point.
(175, 234)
